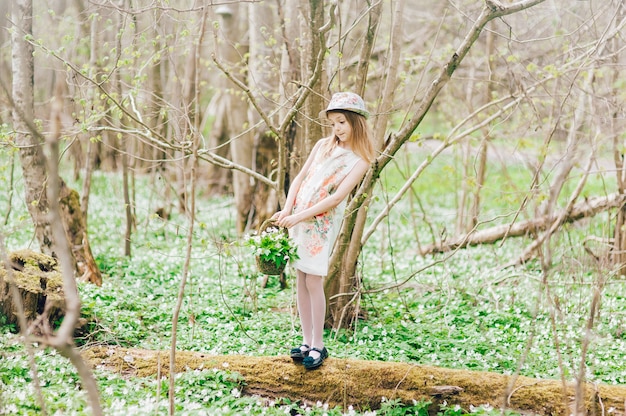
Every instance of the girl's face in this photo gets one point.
(341, 128)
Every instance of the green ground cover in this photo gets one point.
(466, 312)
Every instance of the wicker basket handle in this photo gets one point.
(268, 223)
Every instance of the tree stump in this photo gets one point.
(76, 230)
(39, 283)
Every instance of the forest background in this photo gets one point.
(488, 235)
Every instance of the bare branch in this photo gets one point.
(449, 141)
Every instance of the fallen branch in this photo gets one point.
(362, 384)
(584, 209)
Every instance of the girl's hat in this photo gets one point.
(348, 101)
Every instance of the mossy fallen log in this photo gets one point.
(363, 384)
(39, 283)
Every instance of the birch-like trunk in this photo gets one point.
(314, 41)
(30, 146)
(292, 154)
(232, 115)
(33, 160)
(263, 84)
(481, 165)
(617, 126)
(5, 64)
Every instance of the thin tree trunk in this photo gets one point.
(123, 144)
(185, 274)
(11, 189)
(581, 396)
(291, 153)
(575, 136)
(235, 114)
(481, 165)
(191, 211)
(63, 339)
(5, 64)
(617, 126)
(314, 41)
(87, 175)
(127, 204)
(30, 150)
(263, 83)
(367, 47)
(462, 198)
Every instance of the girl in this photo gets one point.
(314, 211)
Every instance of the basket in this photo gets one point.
(269, 267)
(266, 266)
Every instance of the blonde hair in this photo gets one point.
(361, 140)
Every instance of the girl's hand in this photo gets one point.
(279, 216)
(288, 221)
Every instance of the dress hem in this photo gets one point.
(310, 271)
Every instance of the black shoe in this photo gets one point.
(298, 355)
(311, 363)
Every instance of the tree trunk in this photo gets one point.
(313, 41)
(63, 338)
(33, 159)
(367, 47)
(185, 117)
(263, 83)
(5, 64)
(476, 167)
(481, 165)
(31, 153)
(362, 384)
(220, 179)
(618, 257)
(106, 156)
(194, 102)
(92, 28)
(233, 117)
(124, 146)
(76, 230)
(40, 286)
(291, 70)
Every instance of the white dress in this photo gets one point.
(315, 238)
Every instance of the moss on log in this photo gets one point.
(39, 283)
(362, 384)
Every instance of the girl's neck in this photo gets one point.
(343, 145)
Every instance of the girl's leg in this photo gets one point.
(315, 288)
(304, 307)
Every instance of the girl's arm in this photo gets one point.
(295, 185)
(345, 187)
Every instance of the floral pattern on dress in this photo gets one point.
(316, 237)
